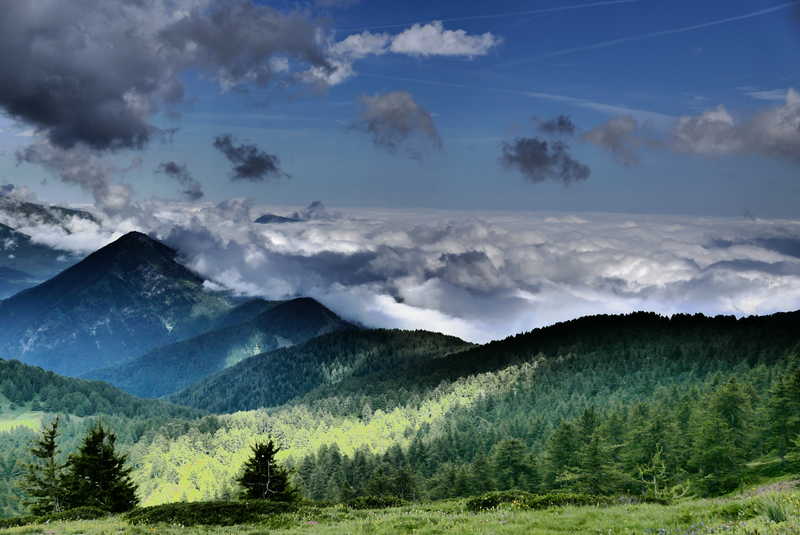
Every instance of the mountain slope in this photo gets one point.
(15, 212)
(276, 377)
(173, 367)
(46, 391)
(119, 302)
(383, 363)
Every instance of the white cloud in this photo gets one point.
(478, 276)
(433, 40)
(360, 45)
(419, 40)
(774, 132)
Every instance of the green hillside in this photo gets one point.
(274, 378)
(173, 367)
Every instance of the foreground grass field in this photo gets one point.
(759, 515)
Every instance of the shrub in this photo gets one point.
(739, 510)
(525, 500)
(208, 513)
(375, 502)
(18, 521)
(78, 513)
(775, 510)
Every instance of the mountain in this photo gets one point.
(272, 218)
(15, 213)
(276, 377)
(383, 363)
(174, 367)
(41, 390)
(121, 301)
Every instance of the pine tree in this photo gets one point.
(42, 481)
(97, 476)
(263, 478)
(510, 463)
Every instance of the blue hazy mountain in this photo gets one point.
(120, 302)
(173, 367)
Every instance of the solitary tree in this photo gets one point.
(42, 479)
(97, 475)
(263, 479)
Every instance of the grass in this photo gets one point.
(11, 420)
(744, 516)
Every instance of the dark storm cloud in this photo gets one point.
(249, 162)
(395, 120)
(193, 190)
(539, 160)
(619, 136)
(557, 125)
(95, 71)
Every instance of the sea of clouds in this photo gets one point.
(476, 275)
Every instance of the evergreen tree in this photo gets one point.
(263, 478)
(42, 481)
(509, 460)
(96, 475)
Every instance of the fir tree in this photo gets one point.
(42, 481)
(263, 478)
(97, 476)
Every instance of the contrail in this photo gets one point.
(613, 42)
(610, 109)
(495, 15)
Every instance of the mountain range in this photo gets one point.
(361, 410)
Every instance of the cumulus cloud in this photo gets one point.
(539, 160)
(774, 132)
(193, 190)
(249, 162)
(619, 136)
(395, 120)
(561, 125)
(95, 71)
(419, 40)
(433, 40)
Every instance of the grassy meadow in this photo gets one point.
(762, 513)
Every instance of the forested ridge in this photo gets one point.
(637, 404)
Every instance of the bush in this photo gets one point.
(208, 513)
(525, 500)
(739, 510)
(78, 513)
(775, 510)
(376, 502)
(18, 521)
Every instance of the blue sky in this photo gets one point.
(561, 60)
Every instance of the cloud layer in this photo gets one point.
(478, 276)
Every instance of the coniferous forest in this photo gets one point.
(656, 409)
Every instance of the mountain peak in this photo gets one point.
(95, 312)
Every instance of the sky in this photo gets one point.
(473, 169)
(452, 87)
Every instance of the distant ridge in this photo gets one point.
(173, 367)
